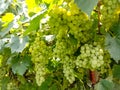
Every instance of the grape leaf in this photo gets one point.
(35, 22)
(115, 29)
(28, 86)
(104, 85)
(4, 5)
(19, 68)
(17, 44)
(116, 86)
(4, 83)
(1, 44)
(53, 87)
(33, 6)
(86, 6)
(113, 46)
(46, 83)
(5, 30)
(116, 73)
(19, 64)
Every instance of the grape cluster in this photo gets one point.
(70, 20)
(106, 66)
(91, 57)
(68, 69)
(109, 13)
(71, 27)
(40, 73)
(40, 53)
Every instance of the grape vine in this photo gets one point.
(59, 44)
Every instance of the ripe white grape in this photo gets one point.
(90, 60)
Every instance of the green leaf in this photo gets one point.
(28, 86)
(115, 29)
(17, 44)
(113, 46)
(45, 85)
(2, 43)
(19, 65)
(35, 22)
(116, 86)
(4, 83)
(4, 5)
(104, 85)
(19, 68)
(53, 87)
(116, 73)
(86, 6)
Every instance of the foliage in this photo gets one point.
(59, 45)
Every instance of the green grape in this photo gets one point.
(88, 57)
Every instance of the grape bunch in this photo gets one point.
(70, 27)
(91, 57)
(109, 13)
(70, 20)
(68, 69)
(105, 68)
(40, 73)
(40, 53)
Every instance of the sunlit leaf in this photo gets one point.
(6, 29)
(35, 22)
(48, 1)
(4, 5)
(8, 17)
(32, 6)
(17, 44)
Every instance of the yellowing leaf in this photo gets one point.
(8, 17)
(1, 58)
(117, 11)
(32, 6)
